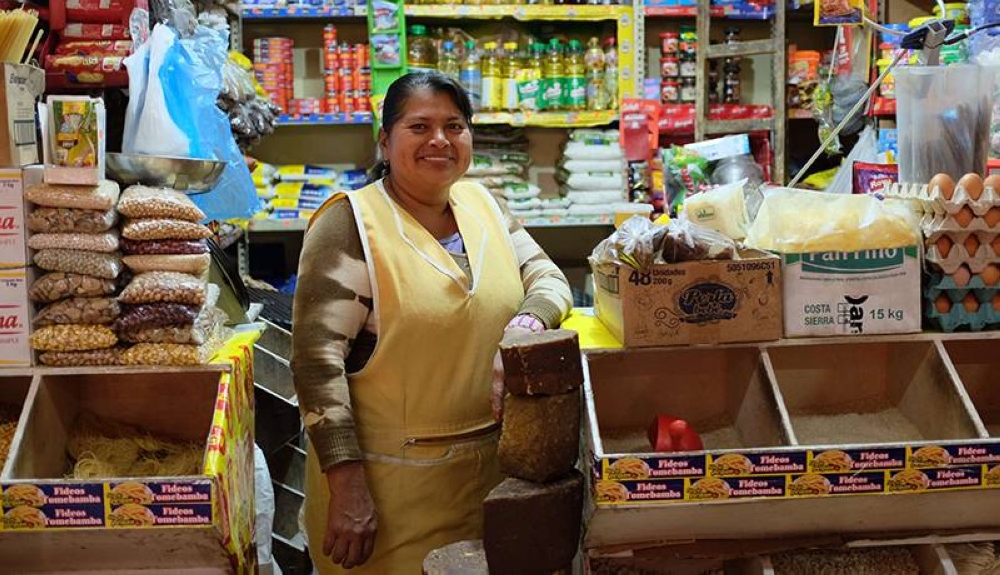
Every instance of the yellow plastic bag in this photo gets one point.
(799, 221)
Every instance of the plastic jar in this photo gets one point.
(689, 66)
(669, 92)
(670, 67)
(689, 91)
(669, 41)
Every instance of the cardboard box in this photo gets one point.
(15, 323)
(720, 148)
(693, 302)
(13, 246)
(21, 86)
(852, 293)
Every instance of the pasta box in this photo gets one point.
(698, 302)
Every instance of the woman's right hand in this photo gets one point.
(352, 522)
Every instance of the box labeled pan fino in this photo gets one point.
(852, 293)
(710, 301)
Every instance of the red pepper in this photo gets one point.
(669, 434)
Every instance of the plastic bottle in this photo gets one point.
(448, 60)
(575, 91)
(611, 73)
(554, 71)
(471, 75)
(529, 80)
(421, 55)
(492, 78)
(511, 65)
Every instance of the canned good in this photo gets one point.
(689, 67)
(364, 103)
(689, 91)
(332, 106)
(669, 42)
(669, 92)
(347, 103)
(670, 67)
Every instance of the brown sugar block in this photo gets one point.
(462, 558)
(540, 438)
(546, 363)
(532, 528)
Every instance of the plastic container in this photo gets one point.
(670, 67)
(957, 11)
(670, 92)
(421, 53)
(669, 42)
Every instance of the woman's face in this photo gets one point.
(430, 145)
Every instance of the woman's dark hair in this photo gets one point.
(401, 90)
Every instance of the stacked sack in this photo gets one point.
(168, 312)
(592, 173)
(75, 246)
(500, 163)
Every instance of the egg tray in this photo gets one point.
(942, 282)
(935, 224)
(958, 319)
(932, 201)
(987, 253)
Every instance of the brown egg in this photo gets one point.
(992, 217)
(996, 246)
(970, 303)
(961, 276)
(996, 301)
(965, 216)
(973, 185)
(942, 304)
(993, 182)
(990, 274)
(944, 184)
(944, 244)
(971, 244)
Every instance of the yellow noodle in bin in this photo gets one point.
(629, 468)
(611, 492)
(992, 477)
(23, 494)
(908, 480)
(731, 464)
(832, 461)
(24, 517)
(931, 456)
(131, 492)
(810, 484)
(709, 488)
(132, 515)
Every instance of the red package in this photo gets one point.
(95, 48)
(874, 178)
(81, 31)
(98, 11)
(638, 130)
(84, 69)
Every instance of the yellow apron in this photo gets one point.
(422, 402)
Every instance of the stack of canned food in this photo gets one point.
(347, 74)
(273, 68)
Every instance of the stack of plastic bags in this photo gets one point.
(168, 312)
(75, 244)
(592, 173)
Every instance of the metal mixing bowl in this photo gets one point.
(183, 174)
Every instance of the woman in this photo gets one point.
(405, 289)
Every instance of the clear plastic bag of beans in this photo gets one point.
(162, 229)
(164, 287)
(103, 196)
(93, 310)
(103, 243)
(106, 266)
(70, 221)
(205, 327)
(108, 356)
(58, 285)
(73, 337)
(195, 264)
(134, 318)
(146, 202)
(163, 247)
(169, 353)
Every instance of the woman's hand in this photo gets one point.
(352, 522)
(496, 399)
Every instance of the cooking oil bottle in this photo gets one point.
(511, 65)
(576, 81)
(552, 91)
(611, 73)
(470, 75)
(448, 60)
(529, 80)
(594, 61)
(492, 78)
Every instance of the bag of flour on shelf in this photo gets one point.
(592, 181)
(580, 151)
(584, 166)
(516, 192)
(595, 197)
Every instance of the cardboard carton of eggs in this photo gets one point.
(949, 250)
(951, 310)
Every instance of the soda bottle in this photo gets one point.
(510, 68)
(421, 56)
(576, 82)
(492, 78)
(611, 73)
(448, 61)
(529, 80)
(471, 75)
(552, 85)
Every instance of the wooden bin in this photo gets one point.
(55, 524)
